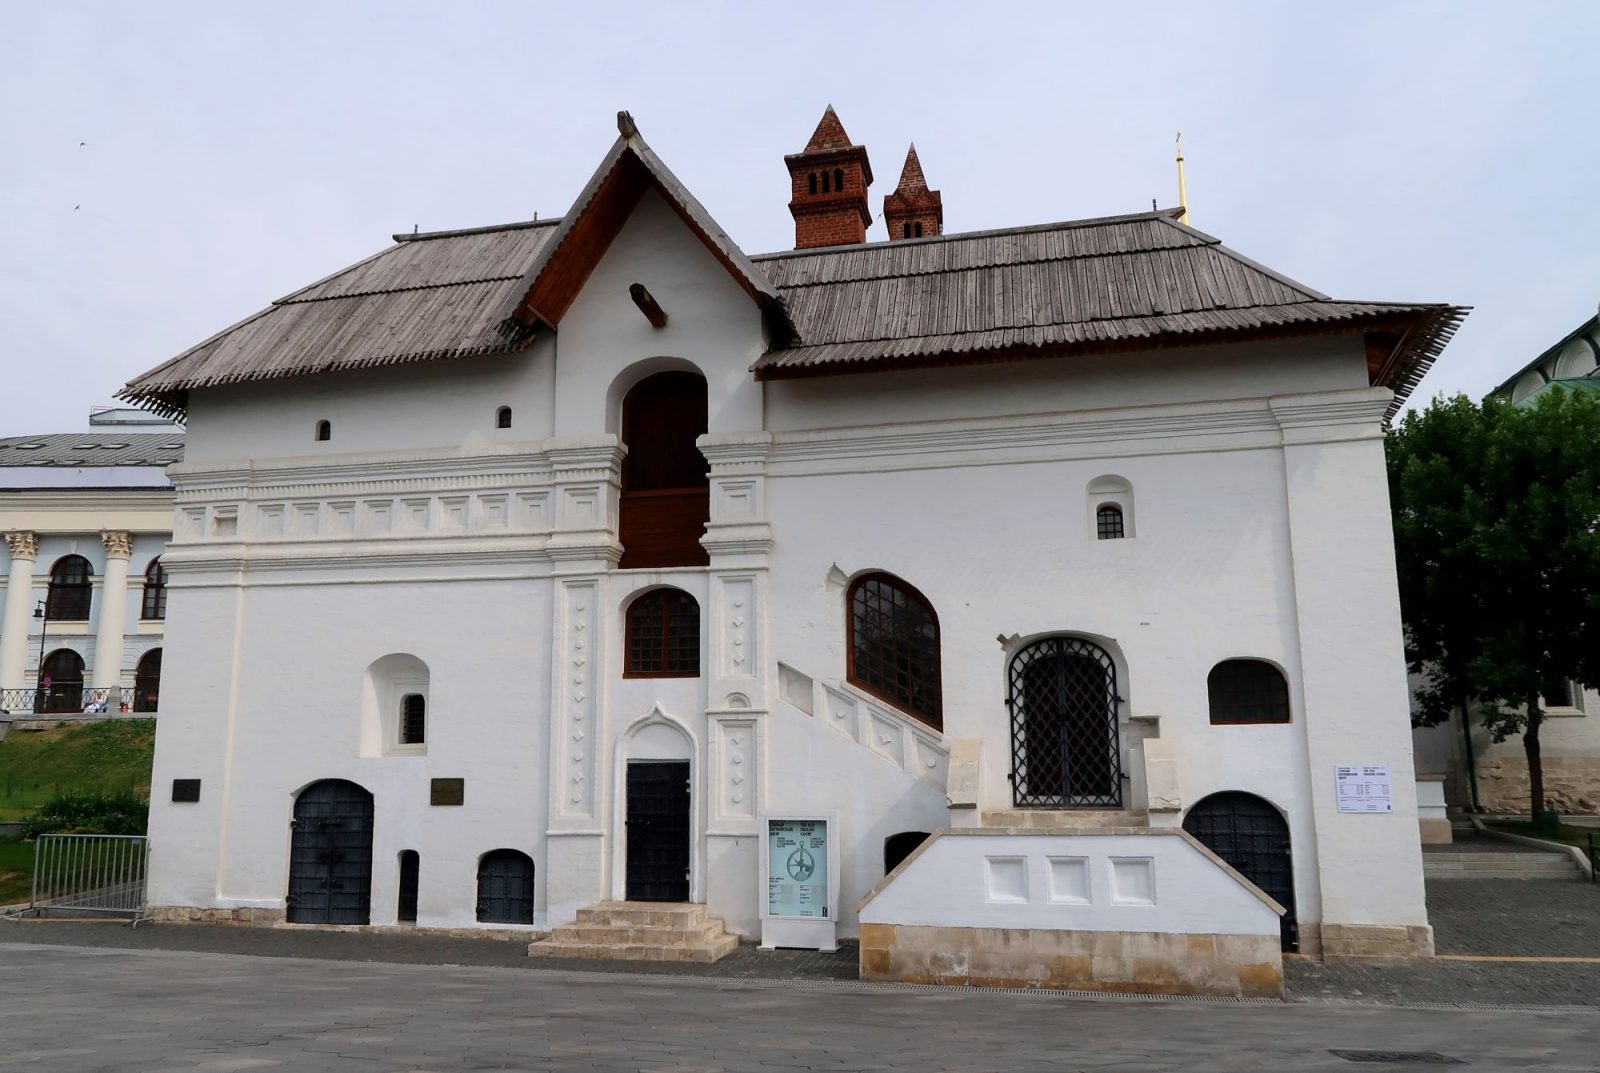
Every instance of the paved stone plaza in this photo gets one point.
(89, 1009)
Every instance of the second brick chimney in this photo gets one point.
(913, 211)
(829, 181)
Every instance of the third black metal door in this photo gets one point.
(658, 831)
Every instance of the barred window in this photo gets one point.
(1108, 522)
(1247, 691)
(70, 589)
(413, 719)
(502, 417)
(894, 646)
(324, 430)
(155, 592)
(663, 636)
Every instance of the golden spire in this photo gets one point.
(1183, 187)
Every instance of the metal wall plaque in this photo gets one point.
(448, 792)
(186, 790)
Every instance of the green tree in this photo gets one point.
(1497, 541)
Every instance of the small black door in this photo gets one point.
(1252, 836)
(505, 887)
(658, 831)
(406, 910)
(330, 855)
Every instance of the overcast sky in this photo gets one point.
(168, 168)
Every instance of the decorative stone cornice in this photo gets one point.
(24, 543)
(118, 542)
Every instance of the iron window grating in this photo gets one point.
(1108, 522)
(894, 646)
(1066, 751)
(1247, 691)
(413, 719)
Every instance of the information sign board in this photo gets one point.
(1364, 788)
(797, 868)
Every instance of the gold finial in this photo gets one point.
(1183, 187)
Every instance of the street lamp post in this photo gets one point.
(41, 611)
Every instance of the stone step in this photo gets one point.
(1064, 818)
(702, 953)
(644, 914)
(1499, 859)
(597, 934)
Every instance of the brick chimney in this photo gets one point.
(913, 211)
(829, 181)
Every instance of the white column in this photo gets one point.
(113, 609)
(19, 607)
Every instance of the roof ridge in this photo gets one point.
(520, 225)
(1059, 225)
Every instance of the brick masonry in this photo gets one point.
(1144, 962)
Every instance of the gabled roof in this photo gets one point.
(564, 262)
(1118, 282)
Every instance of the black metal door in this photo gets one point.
(330, 855)
(505, 887)
(1066, 751)
(658, 831)
(1252, 836)
(406, 909)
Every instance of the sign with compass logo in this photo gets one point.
(797, 868)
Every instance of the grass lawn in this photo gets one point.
(1572, 836)
(36, 765)
(16, 870)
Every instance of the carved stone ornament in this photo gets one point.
(24, 544)
(119, 544)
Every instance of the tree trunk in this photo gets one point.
(1530, 746)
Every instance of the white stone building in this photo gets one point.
(86, 516)
(533, 566)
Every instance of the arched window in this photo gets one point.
(666, 495)
(663, 636)
(1247, 691)
(905, 231)
(825, 184)
(918, 229)
(897, 848)
(505, 887)
(60, 682)
(147, 682)
(838, 178)
(502, 417)
(1108, 522)
(1065, 747)
(413, 719)
(1110, 503)
(894, 645)
(813, 183)
(324, 430)
(154, 605)
(70, 589)
(405, 911)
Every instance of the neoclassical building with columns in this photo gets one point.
(1019, 603)
(85, 517)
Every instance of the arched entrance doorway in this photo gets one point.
(61, 682)
(666, 492)
(330, 855)
(505, 887)
(147, 682)
(1253, 837)
(1066, 751)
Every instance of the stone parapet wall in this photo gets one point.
(1571, 784)
(1144, 962)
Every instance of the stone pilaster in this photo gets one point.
(18, 608)
(107, 671)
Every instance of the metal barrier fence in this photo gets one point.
(89, 874)
(74, 698)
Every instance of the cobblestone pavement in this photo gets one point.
(84, 1010)
(1526, 917)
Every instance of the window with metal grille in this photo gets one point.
(1066, 751)
(60, 682)
(893, 647)
(70, 590)
(1108, 522)
(147, 682)
(1247, 691)
(663, 636)
(502, 417)
(413, 719)
(154, 605)
(505, 887)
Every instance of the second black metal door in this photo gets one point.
(330, 855)
(1253, 837)
(658, 831)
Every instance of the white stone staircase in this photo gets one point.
(640, 931)
(882, 731)
(1484, 858)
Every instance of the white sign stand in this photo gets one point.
(800, 880)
